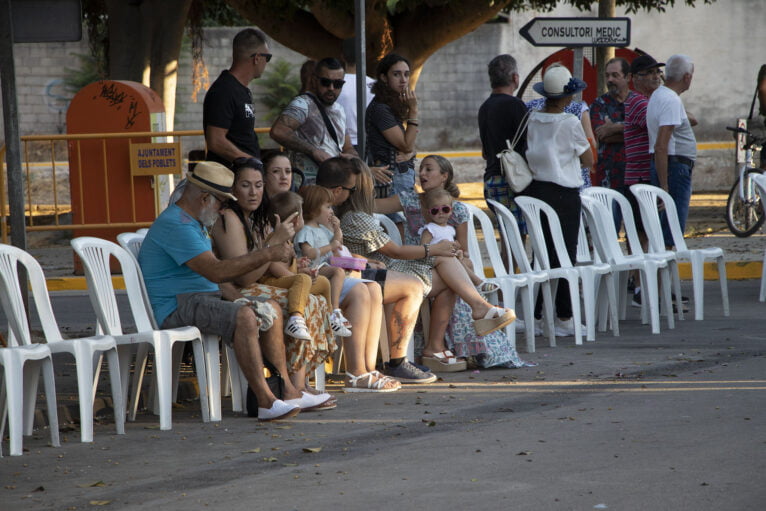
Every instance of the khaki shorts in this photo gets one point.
(207, 311)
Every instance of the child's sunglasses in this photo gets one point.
(444, 209)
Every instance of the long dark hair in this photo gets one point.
(258, 217)
(384, 93)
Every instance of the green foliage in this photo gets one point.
(88, 72)
(218, 13)
(280, 86)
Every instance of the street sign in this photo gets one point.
(577, 32)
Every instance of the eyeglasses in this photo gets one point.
(444, 209)
(266, 56)
(349, 190)
(326, 82)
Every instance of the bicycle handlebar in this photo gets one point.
(752, 140)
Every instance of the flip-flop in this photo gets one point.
(444, 362)
(486, 288)
(495, 319)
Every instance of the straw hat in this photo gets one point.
(558, 82)
(213, 177)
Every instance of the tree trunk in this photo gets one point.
(145, 43)
(606, 9)
(319, 33)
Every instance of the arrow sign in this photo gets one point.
(577, 32)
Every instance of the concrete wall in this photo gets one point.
(725, 39)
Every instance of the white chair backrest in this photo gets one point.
(131, 241)
(583, 250)
(390, 227)
(13, 302)
(533, 209)
(613, 199)
(602, 230)
(511, 235)
(647, 196)
(490, 243)
(95, 254)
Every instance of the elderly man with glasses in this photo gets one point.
(313, 126)
(228, 115)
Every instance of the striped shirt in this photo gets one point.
(637, 157)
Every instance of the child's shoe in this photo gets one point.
(296, 328)
(340, 325)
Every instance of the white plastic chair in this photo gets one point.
(131, 242)
(85, 350)
(514, 246)
(95, 254)
(532, 210)
(22, 361)
(612, 199)
(510, 283)
(760, 183)
(425, 308)
(599, 219)
(648, 196)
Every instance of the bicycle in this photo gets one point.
(744, 210)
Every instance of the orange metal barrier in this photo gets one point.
(34, 207)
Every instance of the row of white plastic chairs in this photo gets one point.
(603, 300)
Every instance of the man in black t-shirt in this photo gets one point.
(228, 115)
(499, 118)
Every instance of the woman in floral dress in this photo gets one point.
(494, 349)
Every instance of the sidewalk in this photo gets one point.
(636, 422)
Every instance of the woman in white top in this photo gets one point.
(557, 148)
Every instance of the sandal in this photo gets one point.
(485, 287)
(495, 319)
(444, 362)
(371, 382)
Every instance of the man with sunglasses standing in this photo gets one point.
(228, 114)
(313, 126)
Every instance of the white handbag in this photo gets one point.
(515, 168)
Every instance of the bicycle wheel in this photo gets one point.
(744, 217)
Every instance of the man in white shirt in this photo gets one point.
(347, 98)
(671, 139)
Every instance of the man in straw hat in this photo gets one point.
(182, 277)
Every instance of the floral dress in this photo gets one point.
(308, 354)
(490, 350)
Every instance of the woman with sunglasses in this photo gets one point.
(436, 265)
(391, 143)
(451, 322)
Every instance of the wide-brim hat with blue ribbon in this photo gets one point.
(558, 82)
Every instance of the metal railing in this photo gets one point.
(35, 207)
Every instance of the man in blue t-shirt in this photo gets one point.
(182, 277)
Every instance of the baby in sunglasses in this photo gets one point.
(438, 203)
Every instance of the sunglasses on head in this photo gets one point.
(444, 209)
(326, 82)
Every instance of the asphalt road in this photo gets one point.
(674, 421)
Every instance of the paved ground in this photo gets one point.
(669, 421)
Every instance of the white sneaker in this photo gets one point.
(521, 327)
(565, 328)
(296, 328)
(340, 325)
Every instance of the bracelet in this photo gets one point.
(242, 300)
(413, 120)
(412, 123)
(427, 249)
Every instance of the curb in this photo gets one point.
(735, 270)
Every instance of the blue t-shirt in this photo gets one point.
(174, 238)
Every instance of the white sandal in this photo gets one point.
(369, 382)
(495, 319)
